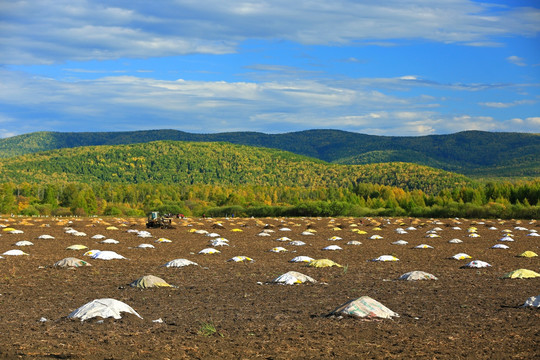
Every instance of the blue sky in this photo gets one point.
(393, 67)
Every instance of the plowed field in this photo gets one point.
(226, 310)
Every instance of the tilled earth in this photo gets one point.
(225, 310)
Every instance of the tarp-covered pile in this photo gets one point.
(103, 308)
(322, 263)
(533, 301)
(149, 281)
(71, 262)
(417, 275)
(292, 278)
(180, 263)
(365, 308)
(521, 274)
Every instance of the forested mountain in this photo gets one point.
(473, 153)
(188, 163)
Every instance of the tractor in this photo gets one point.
(156, 221)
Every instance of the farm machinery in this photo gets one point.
(157, 221)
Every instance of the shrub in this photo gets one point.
(112, 211)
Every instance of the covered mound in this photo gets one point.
(364, 307)
(528, 254)
(71, 262)
(297, 243)
(241, 258)
(301, 258)
(149, 281)
(209, 251)
(91, 252)
(15, 252)
(77, 247)
(283, 238)
(417, 275)
(423, 246)
(145, 246)
(386, 258)
(533, 301)
(180, 263)
(219, 242)
(278, 249)
(292, 278)
(107, 255)
(476, 264)
(461, 256)
(110, 241)
(521, 274)
(103, 308)
(23, 243)
(320, 263)
(332, 248)
(16, 232)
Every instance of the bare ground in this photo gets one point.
(467, 313)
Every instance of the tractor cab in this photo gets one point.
(156, 221)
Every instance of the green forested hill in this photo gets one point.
(473, 153)
(168, 162)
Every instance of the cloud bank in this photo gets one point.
(49, 31)
(382, 67)
(130, 103)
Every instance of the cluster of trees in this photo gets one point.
(495, 200)
(475, 153)
(189, 163)
(218, 178)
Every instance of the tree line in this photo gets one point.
(62, 198)
(475, 153)
(220, 164)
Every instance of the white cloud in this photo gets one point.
(409, 81)
(408, 77)
(516, 60)
(534, 121)
(6, 133)
(529, 124)
(114, 103)
(51, 31)
(499, 105)
(469, 122)
(503, 105)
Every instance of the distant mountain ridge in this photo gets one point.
(473, 153)
(216, 163)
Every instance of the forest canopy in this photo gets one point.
(493, 200)
(195, 178)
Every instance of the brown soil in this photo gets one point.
(467, 313)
